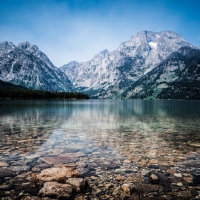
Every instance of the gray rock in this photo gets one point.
(127, 189)
(20, 169)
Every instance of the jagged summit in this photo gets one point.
(102, 54)
(149, 34)
(24, 45)
(5, 47)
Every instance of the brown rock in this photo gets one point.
(154, 178)
(127, 161)
(137, 180)
(59, 159)
(163, 164)
(109, 185)
(188, 179)
(171, 171)
(78, 184)
(57, 174)
(130, 156)
(120, 178)
(185, 194)
(4, 164)
(142, 162)
(153, 161)
(147, 188)
(136, 159)
(127, 188)
(54, 189)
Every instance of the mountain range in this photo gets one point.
(151, 65)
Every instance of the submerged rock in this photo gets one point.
(20, 169)
(59, 159)
(156, 178)
(78, 184)
(127, 189)
(73, 155)
(146, 188)
(67, 150)
(57, 174)
(57, 190)
(178, 175)
(4, 164)
(185, 194)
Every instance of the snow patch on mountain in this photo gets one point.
(153, 45)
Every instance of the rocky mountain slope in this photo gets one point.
(108, 74)
(177, 77)
(27, 66)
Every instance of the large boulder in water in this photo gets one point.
(57, 174)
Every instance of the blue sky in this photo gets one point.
(67, 30)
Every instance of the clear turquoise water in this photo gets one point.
(37, 128)
(104, 132)
(46, 124)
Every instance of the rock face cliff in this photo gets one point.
(177, 77)
(108, 74)
(27, 66)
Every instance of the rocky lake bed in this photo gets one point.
(134, 157)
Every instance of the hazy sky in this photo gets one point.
(67, 30)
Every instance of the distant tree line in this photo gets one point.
(39, 94)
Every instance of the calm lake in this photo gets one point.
(115, 142)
